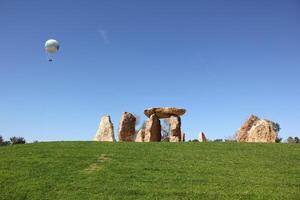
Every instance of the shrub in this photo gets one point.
(3, 142)
(278, 140)
(17, 140)
(218, 140)
(293, 140)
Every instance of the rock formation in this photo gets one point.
(105, 130)
(127, 127)
(242, 134)
(153, 129)
(175, 128)
(257, 130)
(140, 136)
(202, 137)
(164, 112)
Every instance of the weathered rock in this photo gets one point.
(164, 112)
(140, 136)
(257, 130)
(242, 133)
(202, 137)
(105, 130)
(175, 128)
(127, 127)
(153, 129)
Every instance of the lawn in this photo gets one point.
(92, 170)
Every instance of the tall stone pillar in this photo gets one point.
(105, 130)
(153, 129)
(175, 128)
(127, 127)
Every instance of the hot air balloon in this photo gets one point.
(51, 47)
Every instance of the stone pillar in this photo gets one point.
(202, 137)
(105, 130)
(127, 127)
(175, 128)
(153, 129)
(140, 136)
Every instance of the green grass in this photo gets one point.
(91, 170)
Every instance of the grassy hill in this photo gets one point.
(91, 170)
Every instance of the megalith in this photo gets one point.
(127, 127)
(105, 131)
(175, 128)
(153, 129)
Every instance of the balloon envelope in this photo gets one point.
(52, 46)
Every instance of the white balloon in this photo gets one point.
(52, 46)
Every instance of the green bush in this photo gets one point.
(17, 140)
(218, 140)
(278, 140)
(3, 142)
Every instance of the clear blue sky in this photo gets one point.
(221, 60)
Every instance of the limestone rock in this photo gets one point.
(175, 128)
(242, 134)
(164, 112)
(105, 130)
(127, 127)
(202, 137)
(140, 136)
(153, 129)
(257, 130)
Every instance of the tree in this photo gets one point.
(1, 140)
(165, 130)
(293, 140)
(17, 140)
(278, 139)
(276, 127)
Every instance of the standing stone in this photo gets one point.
(140, 136)
(175, 128)
(202, 137)
(127, 127)
(105, 130)
(153, 129)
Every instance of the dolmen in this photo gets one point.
(150, 133)
(153, 127)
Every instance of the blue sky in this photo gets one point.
(221, 60)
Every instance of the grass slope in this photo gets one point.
(91, 170)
